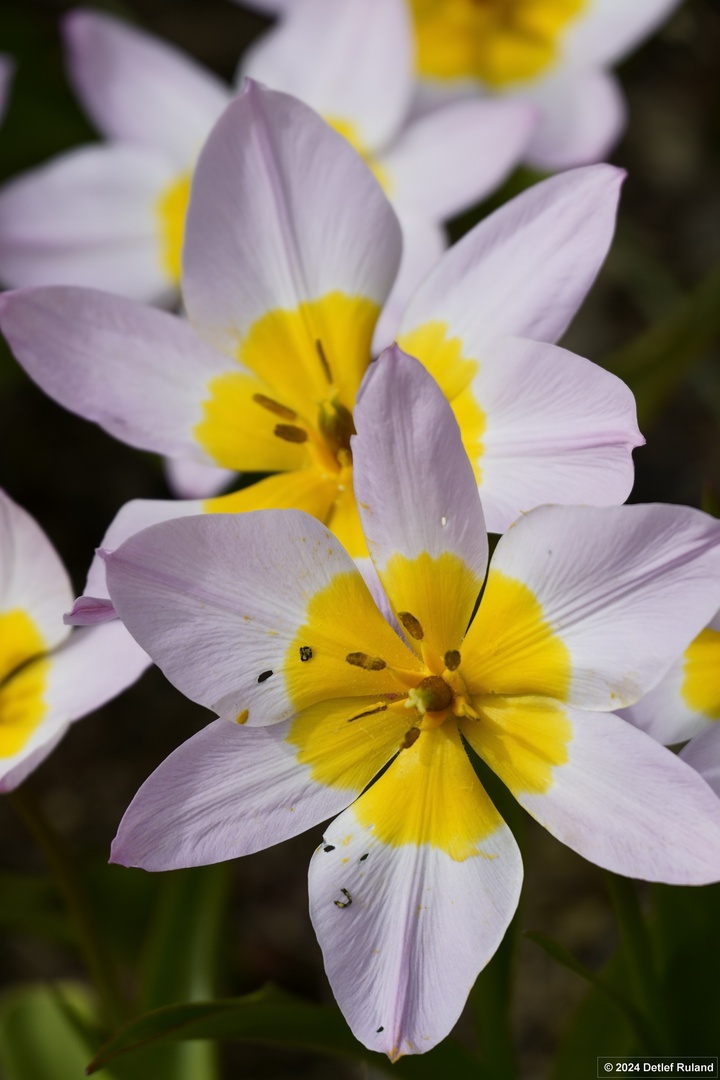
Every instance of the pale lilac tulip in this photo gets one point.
(264, 618)
(49, 675)
(7, 68)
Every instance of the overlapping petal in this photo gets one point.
(612, 28)
(139, 89)
(577, 602)
(255, 656)
(583, 116)
(703, 754)
(7, 69)
(352, 62)
(411, 892)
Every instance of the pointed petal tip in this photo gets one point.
(89, 611)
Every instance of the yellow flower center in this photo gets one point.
(496, 41)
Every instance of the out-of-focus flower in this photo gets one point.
(264, 618)
(686, 705)
(291, 249)
(7, 67)
(352, 61)
(49, 675)
(554, 53)
(111, 215)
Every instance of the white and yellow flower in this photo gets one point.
(325, 708)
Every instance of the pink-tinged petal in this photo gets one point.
(7, 70)
(593, 605)
(195, 480)
(452, 158)
(227, 791)
(33, 580)
(418, 502)
(138, 372)
(90, 611)
(524, 270)
(557, 429)
(247, 613)
(703, 754)
(407, 922)
(89, 217)
(90, 667)
(138, 88)
(613, 28)
(583, 116)
(272, 7)
(282, 211)
(687, 701)
(312, 51)
(424, 241)
(133, 517)
(626, 803)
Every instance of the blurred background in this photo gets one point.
(72, 478)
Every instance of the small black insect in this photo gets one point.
(329, 847)
(344, 903)
(264, 675)
(305, 653)
(364, 857)
(381, 1028)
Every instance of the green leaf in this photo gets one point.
(275, 1018)
(657, 361)
(38, 1040)
(626, 1009)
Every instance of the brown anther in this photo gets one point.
(409, 738)
(323, 360)
(275, 407)
(452, 659)
(368, 712)
(434, 693)
(368, 663)
(411, 624)
(290, 433)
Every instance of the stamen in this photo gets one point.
(305, 653)
(368, 712)
(323, 360)
(290, 433)
(368, 663)
(452, 659)
(411, 624)
(344, 903)
(275, 407)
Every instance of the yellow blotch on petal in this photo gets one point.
(346, 742)
(431, 795)
(701, 685)
(442, 355)
(349, 131)
(172, 208)
(22, 706)
(20, 641)
(496, 41)
(521, 739)
(439, 593)
(510, 648)
(341, 619)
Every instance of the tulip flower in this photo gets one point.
(49, 675)
(7, 68)
(325, 708)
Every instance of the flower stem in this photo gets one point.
(61, 863)
(639, 956)
(490, 1003)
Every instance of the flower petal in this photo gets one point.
(89, 217)
(618, 798)
(531, 263)
(418, 501)
(452, 158)
(140, 373)
(703, 754)
(195, 480)
(248, 614)
(232, 790)
(557, 428)
(592, 606)
(290, 249)
(583, 116)
(423, 244)
(411, 892)
(39, 702)
(310, 53)
(612, 28)
(7, 70)
(138, 88)
(34, 588)
(687, 701)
